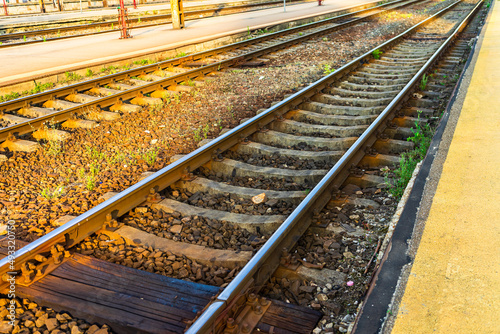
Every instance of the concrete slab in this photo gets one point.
(20, 145)
(265, 223)
(201, 254)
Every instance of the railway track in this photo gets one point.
(64, 32)
(128, 91)
(343, 120)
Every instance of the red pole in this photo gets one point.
(122, 20)
(5, 8)
(135, 6)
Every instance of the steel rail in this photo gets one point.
(287, 232)
(86, 224)
(191, 15)
(60, 116)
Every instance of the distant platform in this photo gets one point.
(34, 61)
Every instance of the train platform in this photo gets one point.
(30, 62)
(102, 13)
(450, 265)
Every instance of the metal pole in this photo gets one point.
(135, 6)
(123, 20)
(284, 5)
(5, 8)
(42, 6)
(177, 10)
(81, 10)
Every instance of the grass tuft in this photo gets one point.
(377, 53)
(423, 82)
(422, 136)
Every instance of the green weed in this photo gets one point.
(89, 73)
(197, 135)
(50, 194)
(94, 154)
(11, 96)
(327, 69)
(150, 156)
(377, 53)
(143, 62)
(38, 88)
(423, 82)
(89, 177)
(422, 136)
(112, 159)
(177, 98)
(54, 147)
(206, 130)
(230, 110)
(72, 76)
